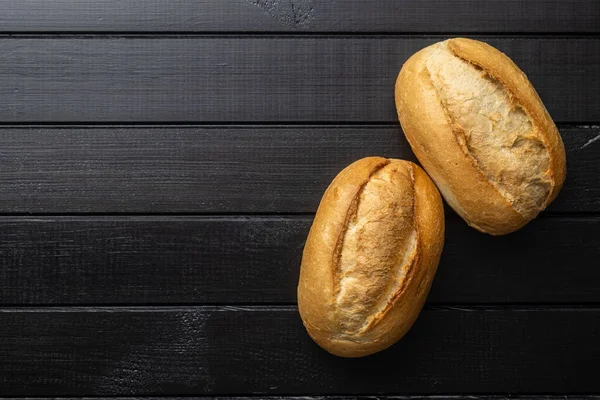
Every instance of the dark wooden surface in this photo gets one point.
(254, 260)
(200, 169)
(266, 78)
(160, 166)
(300, 16)
(265, 350)
(333, 397)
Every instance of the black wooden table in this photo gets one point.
(161, 162)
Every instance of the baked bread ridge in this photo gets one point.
(480, 130)
(370, 256)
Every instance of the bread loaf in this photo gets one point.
(481, 132)
(370, 256)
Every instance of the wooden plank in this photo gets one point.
(300, 16)
(264, 350)
(241, 260)
(366, 397)
(257, 79)
(218, 169)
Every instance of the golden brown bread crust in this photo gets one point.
(481, 132)
(370, 256)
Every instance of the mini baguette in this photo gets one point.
(481, 132)
(370, 256)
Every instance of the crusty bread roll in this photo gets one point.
(481, 132)
(370, 256)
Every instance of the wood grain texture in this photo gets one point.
(231, 350)
(332, 397)
(300, 16)
(257, 79)
(240, 260)
(240, 169)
